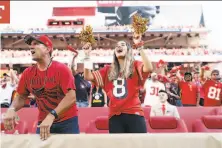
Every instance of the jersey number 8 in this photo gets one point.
(119, 89)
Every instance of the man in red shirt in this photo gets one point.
(189, 91)
(212, 89)
(52, 84)
(122, 81)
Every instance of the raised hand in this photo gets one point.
(137, 38)
(87, 49)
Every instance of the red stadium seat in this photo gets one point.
(166, 124)
(208, 123)
(99, 125)
(20, 128)
(218, 111)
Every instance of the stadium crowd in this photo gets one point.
(8, 53)
(89, 95)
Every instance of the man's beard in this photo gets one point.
(218, 78)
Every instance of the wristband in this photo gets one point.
(53, 112)
(88, 64)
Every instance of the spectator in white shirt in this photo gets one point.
(152, 87)
(6, 90)
(164, 108)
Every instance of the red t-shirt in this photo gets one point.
(123, 94)
(212, 93)
(189, 91)
(58, 80)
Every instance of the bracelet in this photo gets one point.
(53, 112)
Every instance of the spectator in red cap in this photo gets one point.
(52, 84)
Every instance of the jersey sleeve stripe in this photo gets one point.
(100, 78)
(97, 78)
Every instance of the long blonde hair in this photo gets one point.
(127, 68)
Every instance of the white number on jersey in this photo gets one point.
(119, 90)
(214, 93)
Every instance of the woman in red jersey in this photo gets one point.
(121, 81)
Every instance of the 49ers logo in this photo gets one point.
(109, 3)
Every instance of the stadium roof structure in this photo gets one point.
(104, 31)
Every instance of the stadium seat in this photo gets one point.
(166, 124)
(20, 128)
(218, 111)
(208, 123)
(99, 125)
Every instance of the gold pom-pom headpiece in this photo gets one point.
(139, 24)
(86, 35)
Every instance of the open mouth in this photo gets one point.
(33, 52)
(119, 50)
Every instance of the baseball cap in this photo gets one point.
(162, 91)
(215, 71)
(5, 74)
(188, 73)
(43, 39)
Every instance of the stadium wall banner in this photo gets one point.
(108, 31)
(165, 30)
(74, 11)
(12, 32)
(54, 31)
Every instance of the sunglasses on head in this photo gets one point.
(28, 40)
